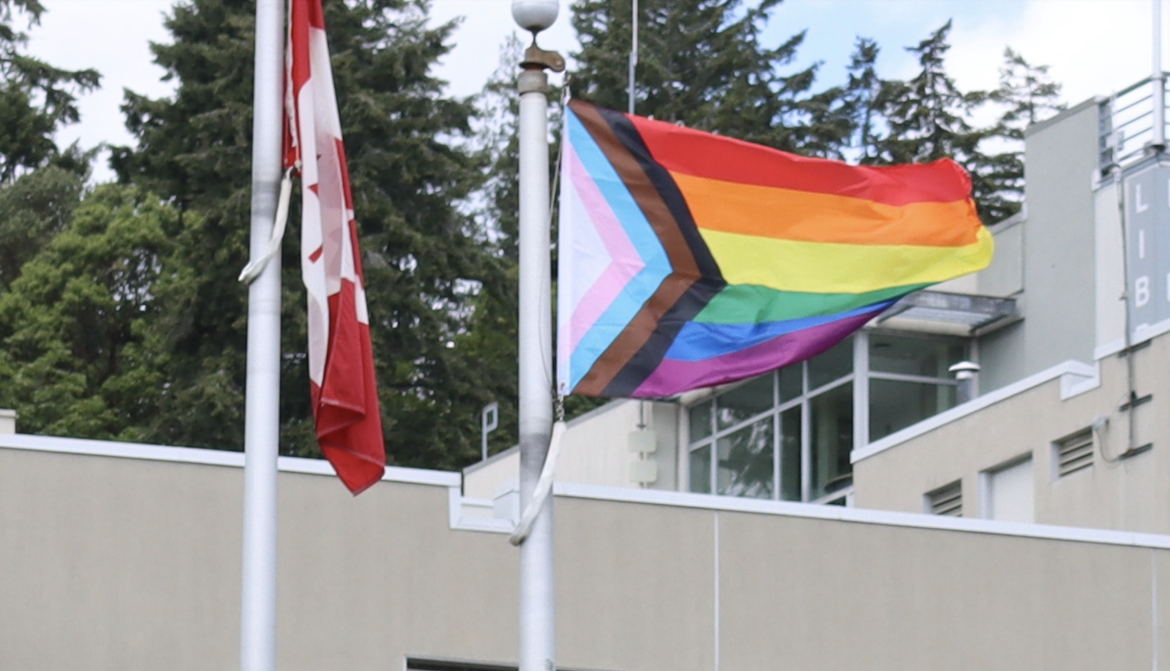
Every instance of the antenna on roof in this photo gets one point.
(1159, 81)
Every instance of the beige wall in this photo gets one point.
(129, 563)
(595, 450)
(1110, 309)
(7, 421)
(1130, 494)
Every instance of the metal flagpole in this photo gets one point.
(1159, 81)
(262, 403)
(537, 593)
(633, 51)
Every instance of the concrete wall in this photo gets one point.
(1058, 253)
(1110, 277)
(133, 563)
(962, 444)
(595, 450)
(1005, 276)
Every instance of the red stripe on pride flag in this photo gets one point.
(691, 152)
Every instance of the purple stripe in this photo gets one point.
(674, 377)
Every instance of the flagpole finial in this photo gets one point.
(535, 15)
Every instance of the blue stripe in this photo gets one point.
(701, 340)
(643, 285)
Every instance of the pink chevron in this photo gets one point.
(625, 262)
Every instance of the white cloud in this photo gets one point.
(120, 51)
(1092, 46)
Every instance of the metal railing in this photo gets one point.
(1126, 124)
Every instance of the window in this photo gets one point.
(909, 380)
(422, 664)
(413, 664)
(785, 435)
(789, 434)
(946, 500)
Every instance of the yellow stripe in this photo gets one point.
(825, 267)
(819, 217)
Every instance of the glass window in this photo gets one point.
(896, 404)
(832, 440)
(742, 444)
(832, 365)
(700, 466)
(913, 356)
(744, 402)
(791, 382)
(700, 421)
(790, 475)
(745, 461)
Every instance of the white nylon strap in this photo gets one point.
(543, 486)
(256, 266)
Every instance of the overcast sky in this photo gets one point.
(1093, 46)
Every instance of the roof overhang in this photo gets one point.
(950, 313)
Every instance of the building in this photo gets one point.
(117, 556)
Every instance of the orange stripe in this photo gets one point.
(816, 217)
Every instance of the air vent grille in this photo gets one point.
(1074, 453)
(947, 500)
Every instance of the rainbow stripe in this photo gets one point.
(689, 259)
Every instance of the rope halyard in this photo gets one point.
(257, 265)
(543, 485)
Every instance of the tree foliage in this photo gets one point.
(702, 63)
(36, 99)
(77, 356)
(422, 254)
(33, 209)
(120, 313)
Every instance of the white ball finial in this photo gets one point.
(535, 15)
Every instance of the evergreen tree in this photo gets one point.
(422, 255)
(928, 118)
(862, 98)
(1027, 93)
(701, 63)
(493, 335)
(36, 99)
(33, 209)
(75, 356)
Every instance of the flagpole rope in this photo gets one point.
(256, 266)
(552, 200)
(543, 486)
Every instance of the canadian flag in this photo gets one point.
(341, 362)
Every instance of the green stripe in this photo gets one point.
(754, 304)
